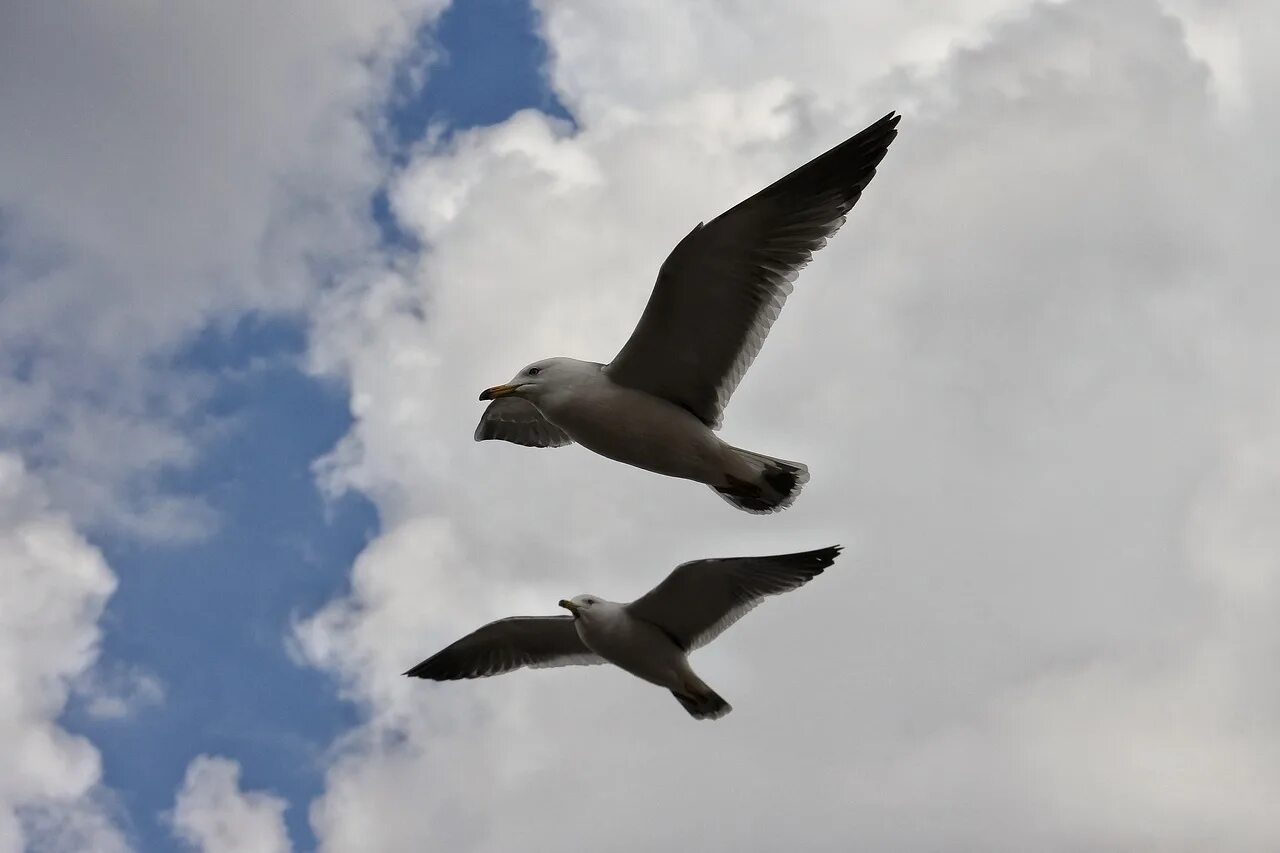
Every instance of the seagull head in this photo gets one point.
(580, 604)
(536, 379)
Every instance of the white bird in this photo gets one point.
(655, 406)
(650, 637)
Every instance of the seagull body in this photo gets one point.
(657, 404)
(580, 398)
(639, 647)
(651, 637)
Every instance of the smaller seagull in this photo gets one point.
(650, 637)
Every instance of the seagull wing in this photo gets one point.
(507, 645)
(699, 600)
(723, 285)
(519, 421)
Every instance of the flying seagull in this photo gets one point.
(650, 638)
(657, 403)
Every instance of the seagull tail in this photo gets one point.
(775, 487)
(702, 702)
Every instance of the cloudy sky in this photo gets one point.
(256, 261)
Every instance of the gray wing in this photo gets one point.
(507, 645)
(699, 600)
(723, 285)
(519, 421)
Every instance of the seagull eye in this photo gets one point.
(534, 371)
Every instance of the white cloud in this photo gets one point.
(608, 62)
(115, 691)
(1029, 378)
(56, 585)
(167, 170)
(213, 815)
(164, 169)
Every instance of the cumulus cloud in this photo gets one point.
(164, 170)
(610, 62)
(1030, 378)
(116, 691)
(56, 585)
(170, 170)
(213, 815)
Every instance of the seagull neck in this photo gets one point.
(567, 388)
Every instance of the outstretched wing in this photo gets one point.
(519, 421)
(699, 600)
(506, 645)
(722, 287)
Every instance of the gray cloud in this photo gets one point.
(56, 586)
(164, 169)
(1030, 378)
(167, 171)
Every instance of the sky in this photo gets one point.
(256, 262)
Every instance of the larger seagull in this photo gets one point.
(650, 637)
(657, 403)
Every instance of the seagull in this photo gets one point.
(657, 404)
(650, 637)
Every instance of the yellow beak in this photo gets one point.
(498, 391)
(569, 605)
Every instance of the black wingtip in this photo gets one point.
(886, 129)
(424, 670)
(826, 556)
(883, 131)
(815, 560)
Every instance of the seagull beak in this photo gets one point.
(498, 391)
(569, 605)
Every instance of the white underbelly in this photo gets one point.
(638, 648)
(644, 431)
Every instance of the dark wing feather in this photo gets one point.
(723, 285)
(699, 600)
(506, 645)
(519, 421)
